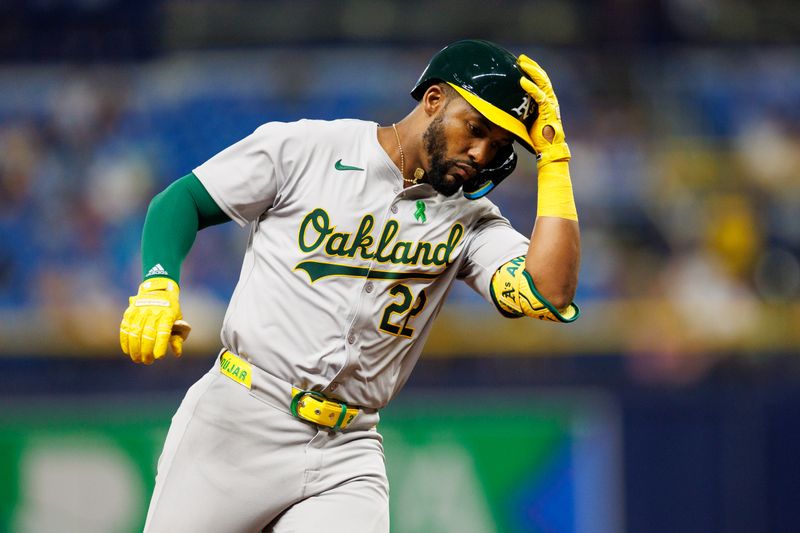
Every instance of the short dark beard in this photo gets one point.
(435, 144)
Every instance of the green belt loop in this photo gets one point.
(341, 417)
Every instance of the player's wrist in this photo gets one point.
(555, 196)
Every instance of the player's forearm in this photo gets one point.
(553, 257)
(173, 219)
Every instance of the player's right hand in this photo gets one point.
(547, 132)
(152, 321)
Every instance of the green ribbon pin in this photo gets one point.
(419, 214)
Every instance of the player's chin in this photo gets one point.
(453, 179)
(448, 185)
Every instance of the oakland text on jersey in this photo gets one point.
(316, 230)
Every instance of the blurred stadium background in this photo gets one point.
(672, 405)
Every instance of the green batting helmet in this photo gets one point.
(487, 76)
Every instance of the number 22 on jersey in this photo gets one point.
(406, 307)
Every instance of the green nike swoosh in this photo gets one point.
(340, 166)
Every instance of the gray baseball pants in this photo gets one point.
(236, 460)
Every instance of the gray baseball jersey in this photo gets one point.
(345, 270)
(343, 275)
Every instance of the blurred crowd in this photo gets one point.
(685, 169)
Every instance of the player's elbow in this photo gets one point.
(559, 300)
(559, 291)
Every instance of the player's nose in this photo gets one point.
(481, 152)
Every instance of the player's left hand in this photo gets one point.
(547, 132)
(153, 321)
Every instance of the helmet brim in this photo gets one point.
(497, 116)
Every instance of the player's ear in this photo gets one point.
(433, 100)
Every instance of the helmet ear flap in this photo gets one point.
(490, 177)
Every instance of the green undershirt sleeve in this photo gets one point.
(173, 219)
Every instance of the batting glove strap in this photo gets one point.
(553, 153)
(158, 284)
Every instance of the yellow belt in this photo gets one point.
(316, 407)
(312, 406)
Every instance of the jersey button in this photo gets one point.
(369, 286)
(334, 386)
(351, 338)
(394, 209)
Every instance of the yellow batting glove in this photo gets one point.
(550, 145)
(153, 321)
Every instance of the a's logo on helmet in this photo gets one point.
(524, 109)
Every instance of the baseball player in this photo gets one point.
(357, 232)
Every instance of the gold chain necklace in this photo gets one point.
(418, 173)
